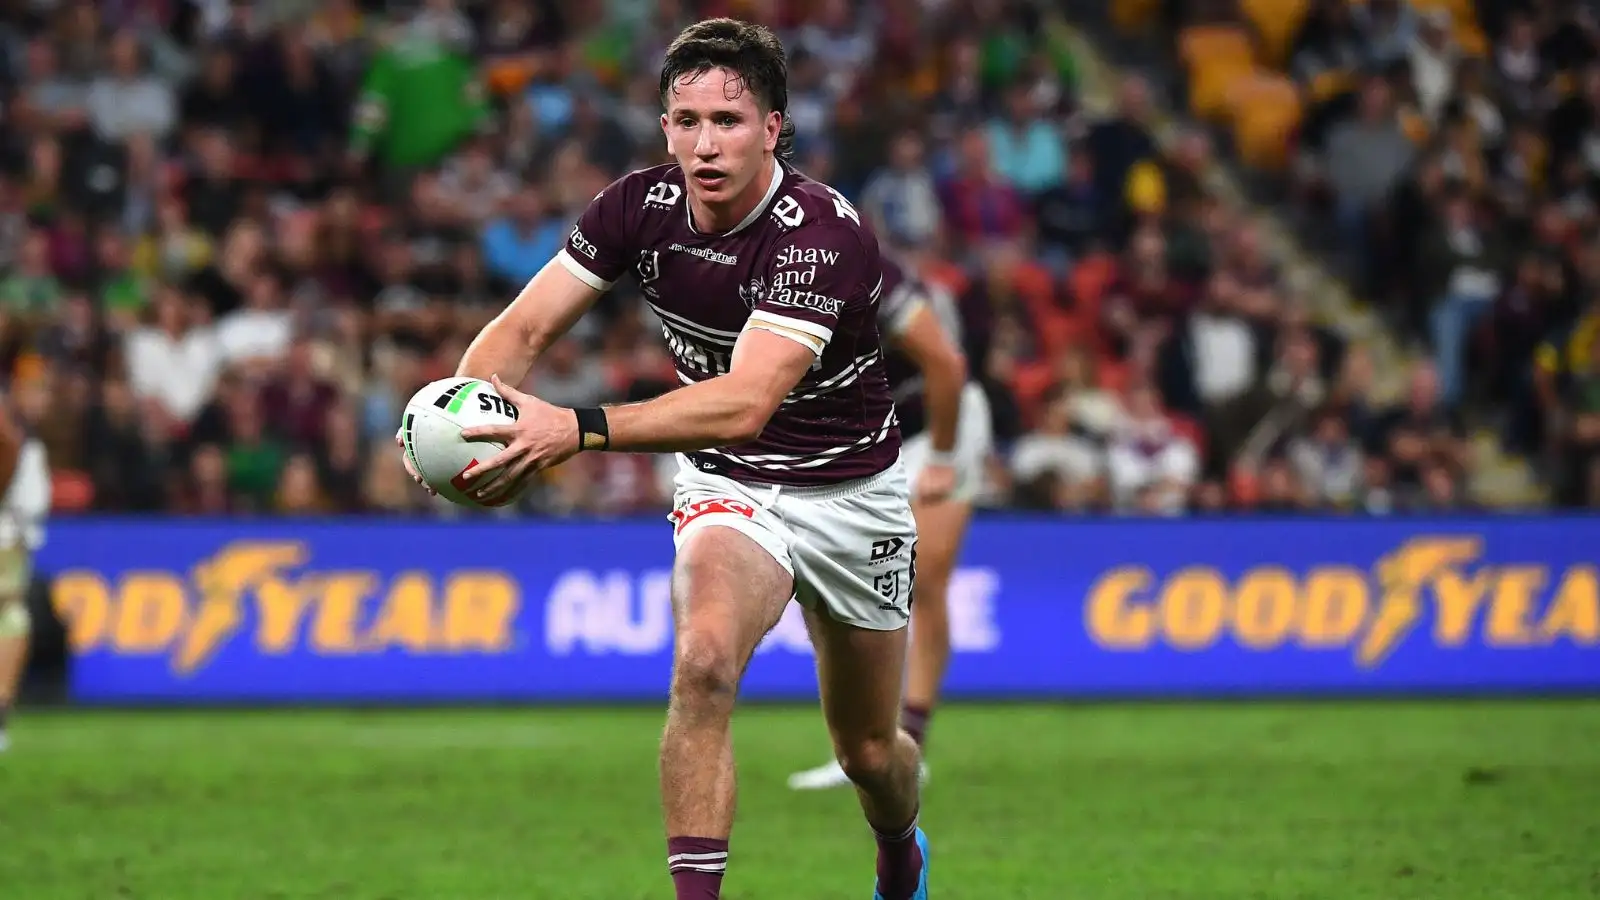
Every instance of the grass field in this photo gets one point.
(1337, 801)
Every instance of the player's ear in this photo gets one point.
(774, 130)
(664, 133)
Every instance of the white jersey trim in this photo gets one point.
(784, 462)
(766, 201)
(582, 274)
(808, 333)
(841, 380)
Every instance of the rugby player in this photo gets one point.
(790, 483)
(23, 508)
(945, 423)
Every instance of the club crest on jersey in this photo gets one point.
(753, 293)
(663, 195)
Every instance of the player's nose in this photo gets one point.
(705, 144)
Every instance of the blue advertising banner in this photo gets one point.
(281, 611)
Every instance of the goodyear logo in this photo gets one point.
(268, 594)
(1434, 583)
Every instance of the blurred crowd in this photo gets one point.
(236, 237)
(1453, 149)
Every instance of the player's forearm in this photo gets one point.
(505, 347)
(546, 309)
(714, 413)
(941, 389)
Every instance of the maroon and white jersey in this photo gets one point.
(903, 295)
(801, 265)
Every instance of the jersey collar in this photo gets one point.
(747, 221)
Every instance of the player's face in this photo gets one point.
(718, 133)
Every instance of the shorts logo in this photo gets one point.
(682, 516)
(887, 549)
(888, 587)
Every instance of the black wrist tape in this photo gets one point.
(594, 433)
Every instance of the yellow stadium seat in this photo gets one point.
(1266, 111)
(1328, 85)
(1211, 86)
(1133, 16)
(1206, 44)
(1216, 57)
(1277, 22)
(1472, 40)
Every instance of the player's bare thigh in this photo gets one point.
(941, 527)
(859, 677)
(727, 593)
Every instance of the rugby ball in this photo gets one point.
(430, 434)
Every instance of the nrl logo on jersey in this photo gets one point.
(663, 195)
(753, 293)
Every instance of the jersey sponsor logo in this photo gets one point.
(683, 515)
(787, 296)
(706, 254)
(697, 357)
(663, 195)
(582, 244)
(812, 256)
(797, 268)
(843, 207)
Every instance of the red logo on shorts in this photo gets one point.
(683, 516)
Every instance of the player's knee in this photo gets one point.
(705, 676)
(867, 761)
(14, 620)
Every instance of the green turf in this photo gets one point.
(1345, 802)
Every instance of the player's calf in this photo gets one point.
(883, 768)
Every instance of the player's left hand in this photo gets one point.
(934, 483)
(542, 436)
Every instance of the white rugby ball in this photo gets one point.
(430, 433)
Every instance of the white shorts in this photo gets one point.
(851, 547)
(974, 442)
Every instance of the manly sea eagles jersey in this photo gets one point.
(802, 266)
(903, 295)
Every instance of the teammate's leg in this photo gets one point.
(941, 527)
(860, 673)
(727, 593)
(13, 654)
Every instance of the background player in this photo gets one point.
(790, 482)
(945, 460)
(26, 502)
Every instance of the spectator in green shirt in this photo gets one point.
(31, 287)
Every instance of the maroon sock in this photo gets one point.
(899, 863)
(697, 865)
(914, 719)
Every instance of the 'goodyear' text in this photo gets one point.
(1334, 607)
(266, 593)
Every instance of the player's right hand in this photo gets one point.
(405, 460)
